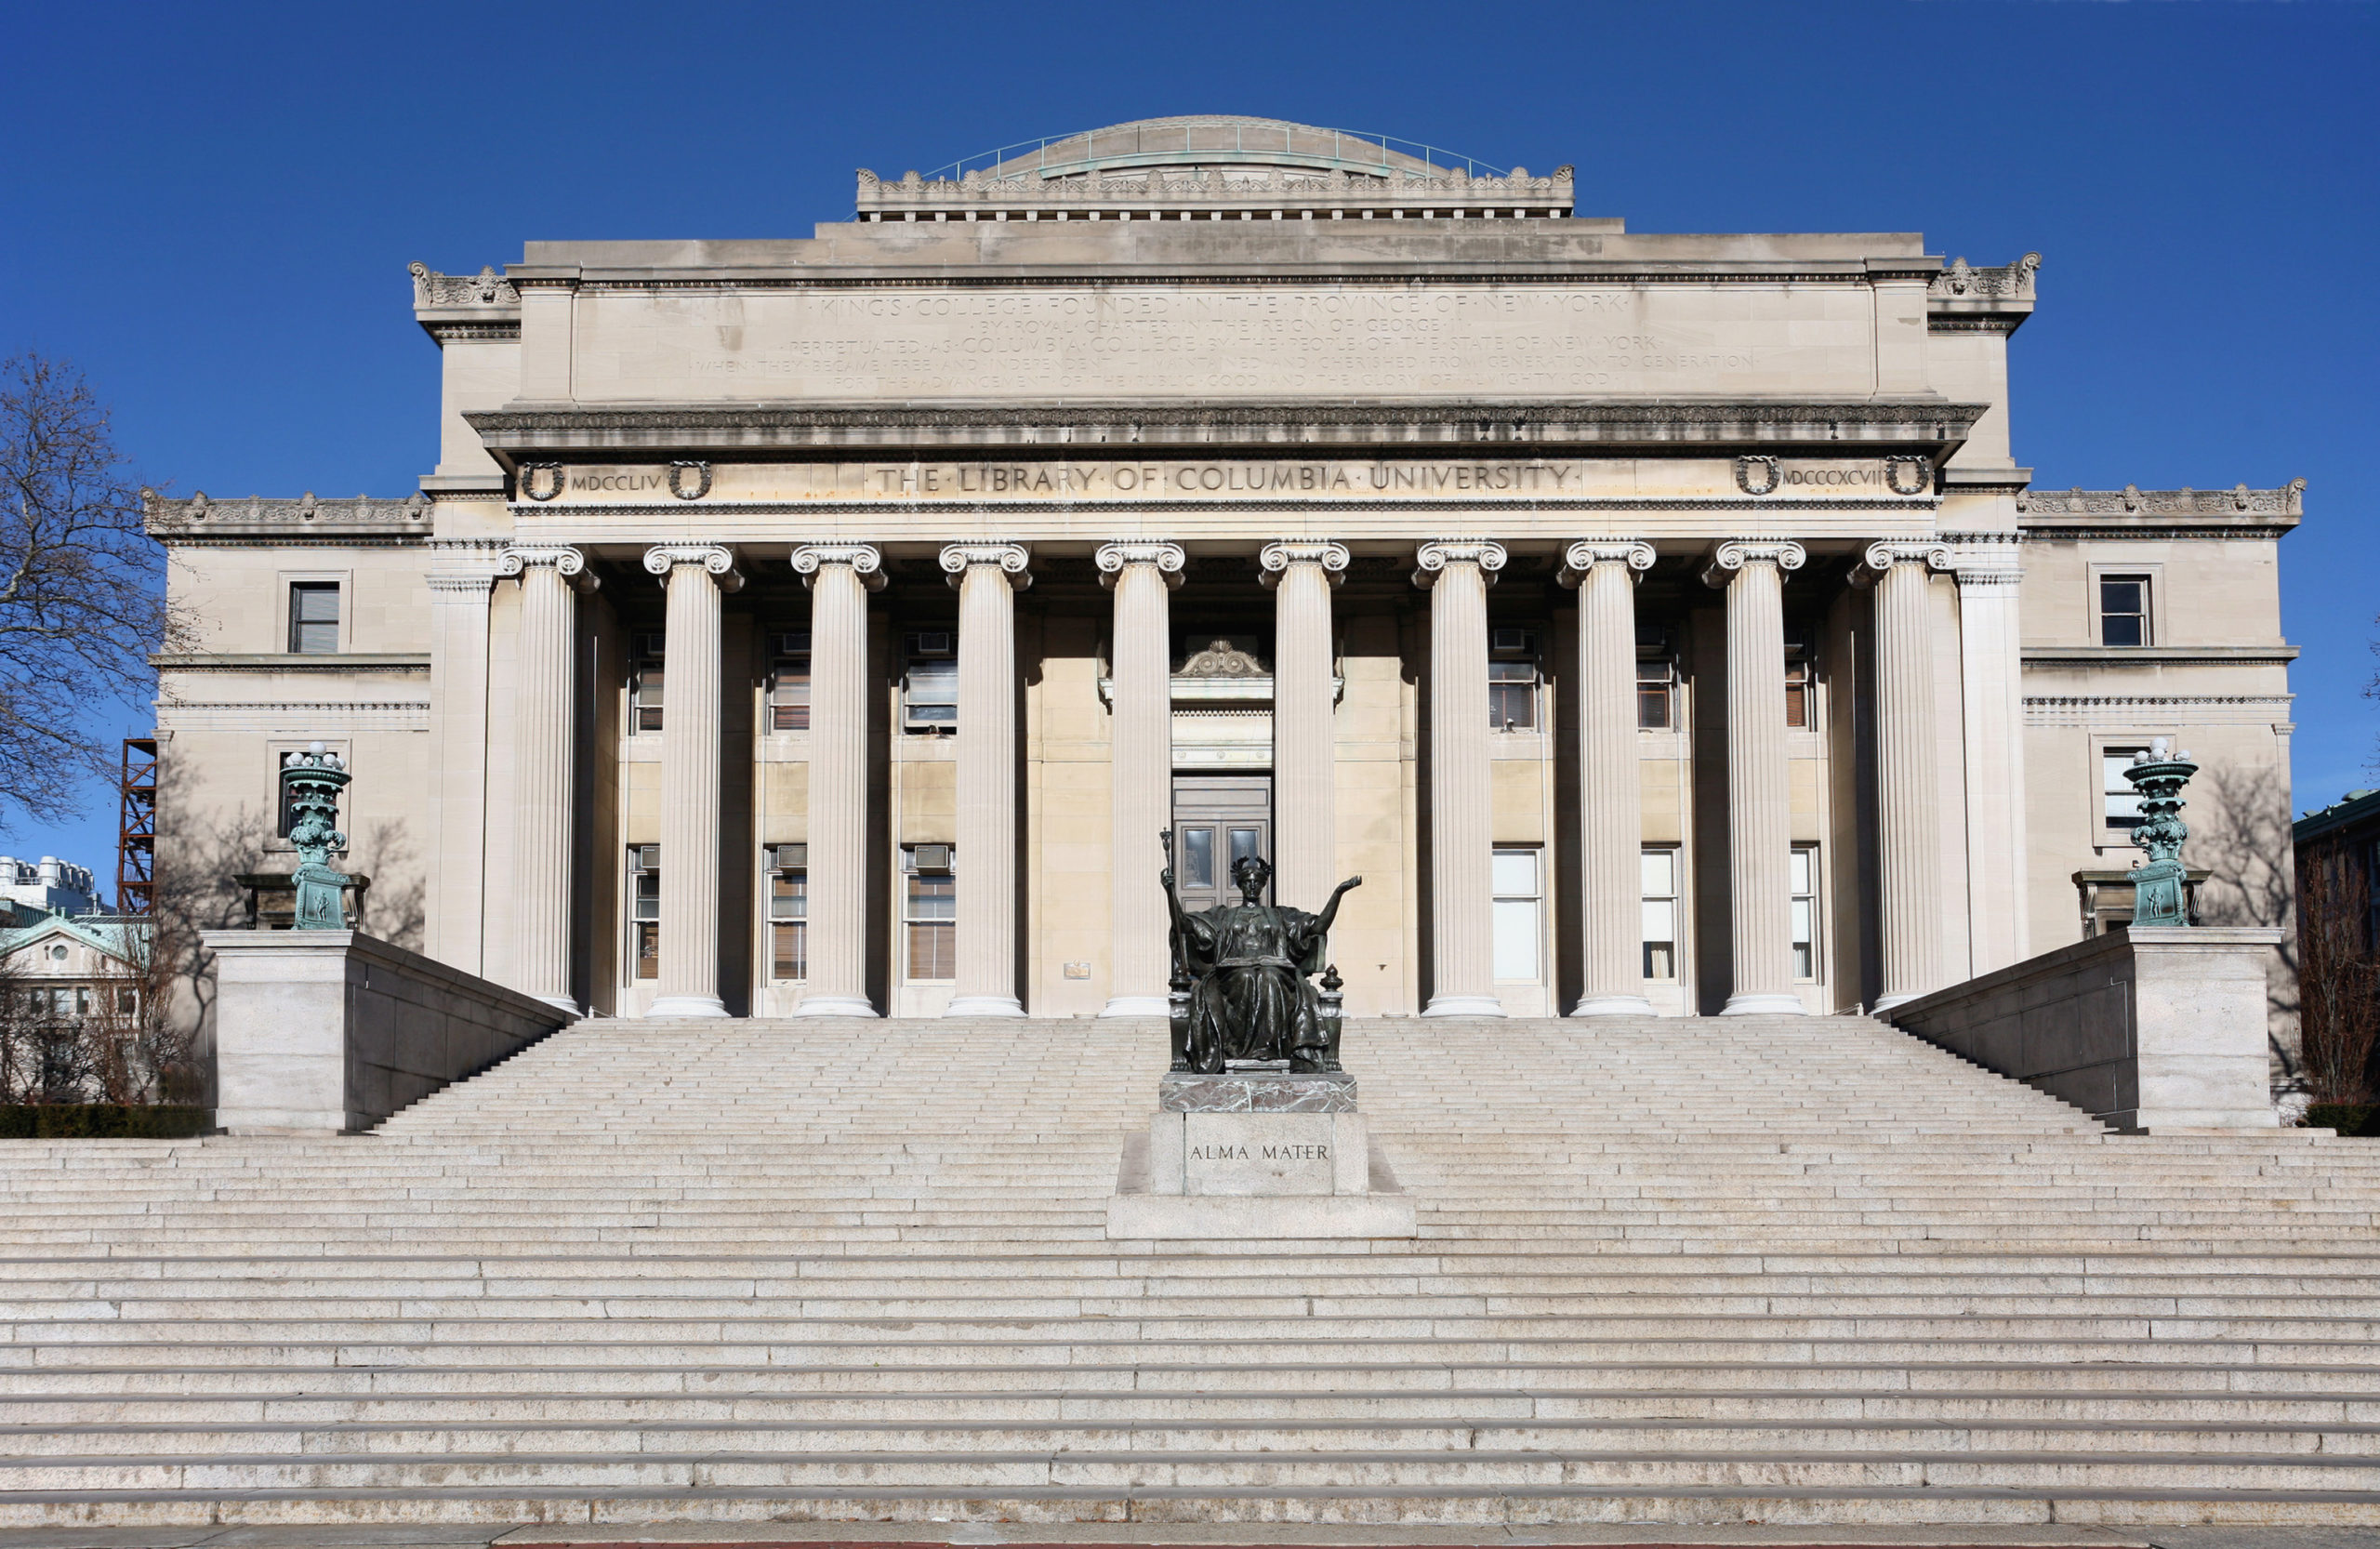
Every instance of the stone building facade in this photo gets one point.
(831, 626)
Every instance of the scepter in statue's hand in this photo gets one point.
(1165, 872)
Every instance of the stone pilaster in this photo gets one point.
(1458, 574)
(1305, 847)
(1990, 573)
(1760, 832)
(839, 576)
(1140, 758)
(987, 576)
(462, 578)
(1909, 783)
(544, 768)
(695, 575)
(1611, 825)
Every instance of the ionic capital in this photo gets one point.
(1883, 555)
(663, 558)
(1987, 558)
(1012, 559)
(568, 563)
(1737, 552)
(1276, 558)
(1581, 558)
(1166, 557)
(1431, 560)
(863, 559)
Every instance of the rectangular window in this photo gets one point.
(930, 689)
(2123, 610)
(1803, 871)
(314, 618)
(788, 911)
(1797, 676)
(1517, 905)
(2119, 802)
(127, 1002)
(1659, 887)
(789, 682)
(1653, 684)
(1512, 680)
(645, 684)
(930, 913)
(645, 910)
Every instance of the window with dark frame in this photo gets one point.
(2123, 610)
(645, 683)
(1653, 690)
(314, 618)
(790, 680)
(645, 910)
(1797, 677)
(1512, 679)
(930, 686)
(1659, 890)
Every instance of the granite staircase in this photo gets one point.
(1792, 1271)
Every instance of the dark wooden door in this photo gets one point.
(1218, 818)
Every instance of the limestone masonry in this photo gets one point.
(829, 626)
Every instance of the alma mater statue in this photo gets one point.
(1248, 962)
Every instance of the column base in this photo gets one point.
(564, 1002)
(688, 1005)
(1613, 1005)
(1768, 1003)
(983, 1005)
(835, 1005)
(1886, 1002)
(1137, 1005)
(1465, 1005)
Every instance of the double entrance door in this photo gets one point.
(1218, 818)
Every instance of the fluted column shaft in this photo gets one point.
(1305, 770)
(1760, 832)
(1462, 899)
(544, 657)
(986, 576)
(1611, 826)
(1990, 673)
(839, 576)
(1908, 784)
(690, 794)
(1140, 758)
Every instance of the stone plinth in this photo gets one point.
(331, 1031)
(1256, 1154)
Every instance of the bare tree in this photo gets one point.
(82, 595)
(2339, 980)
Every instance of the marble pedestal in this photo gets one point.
(1256, 1154)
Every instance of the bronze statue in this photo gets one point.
(1240, 977)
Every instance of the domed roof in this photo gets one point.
(1219, 142)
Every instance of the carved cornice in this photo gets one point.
(1960, 281)
(1431, 558)
(1148, 191)
(1732, 555)
(306, 517)
(1112, 558)
(1581, 558)
(2162, 513)
(487, 289)
(1012, 559)
(1274, 560)
(866, 561)
(518, 437)
(663, 558)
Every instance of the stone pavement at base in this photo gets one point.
(795, 1535)
(1707, 1273)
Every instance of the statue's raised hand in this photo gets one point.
(1165, 878)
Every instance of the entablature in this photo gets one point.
(2132, 513)
(304, 519)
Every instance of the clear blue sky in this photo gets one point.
(210, 207)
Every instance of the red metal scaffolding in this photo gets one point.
(135, 844)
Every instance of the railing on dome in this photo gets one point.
(1343, 141)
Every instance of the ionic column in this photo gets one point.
(1305, 849)
(1760, 830)
(1463, 898)
(839, 576)
(695, 574)
(544, 657)
(988, 576)
(1990, 573)
(1141, 768)
(1908, 781)
(1611, 825)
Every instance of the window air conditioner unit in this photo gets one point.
(789, 857)
(793, 643)
(936, 643)
(1513, 641)
(644, 857)
(931, 858)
